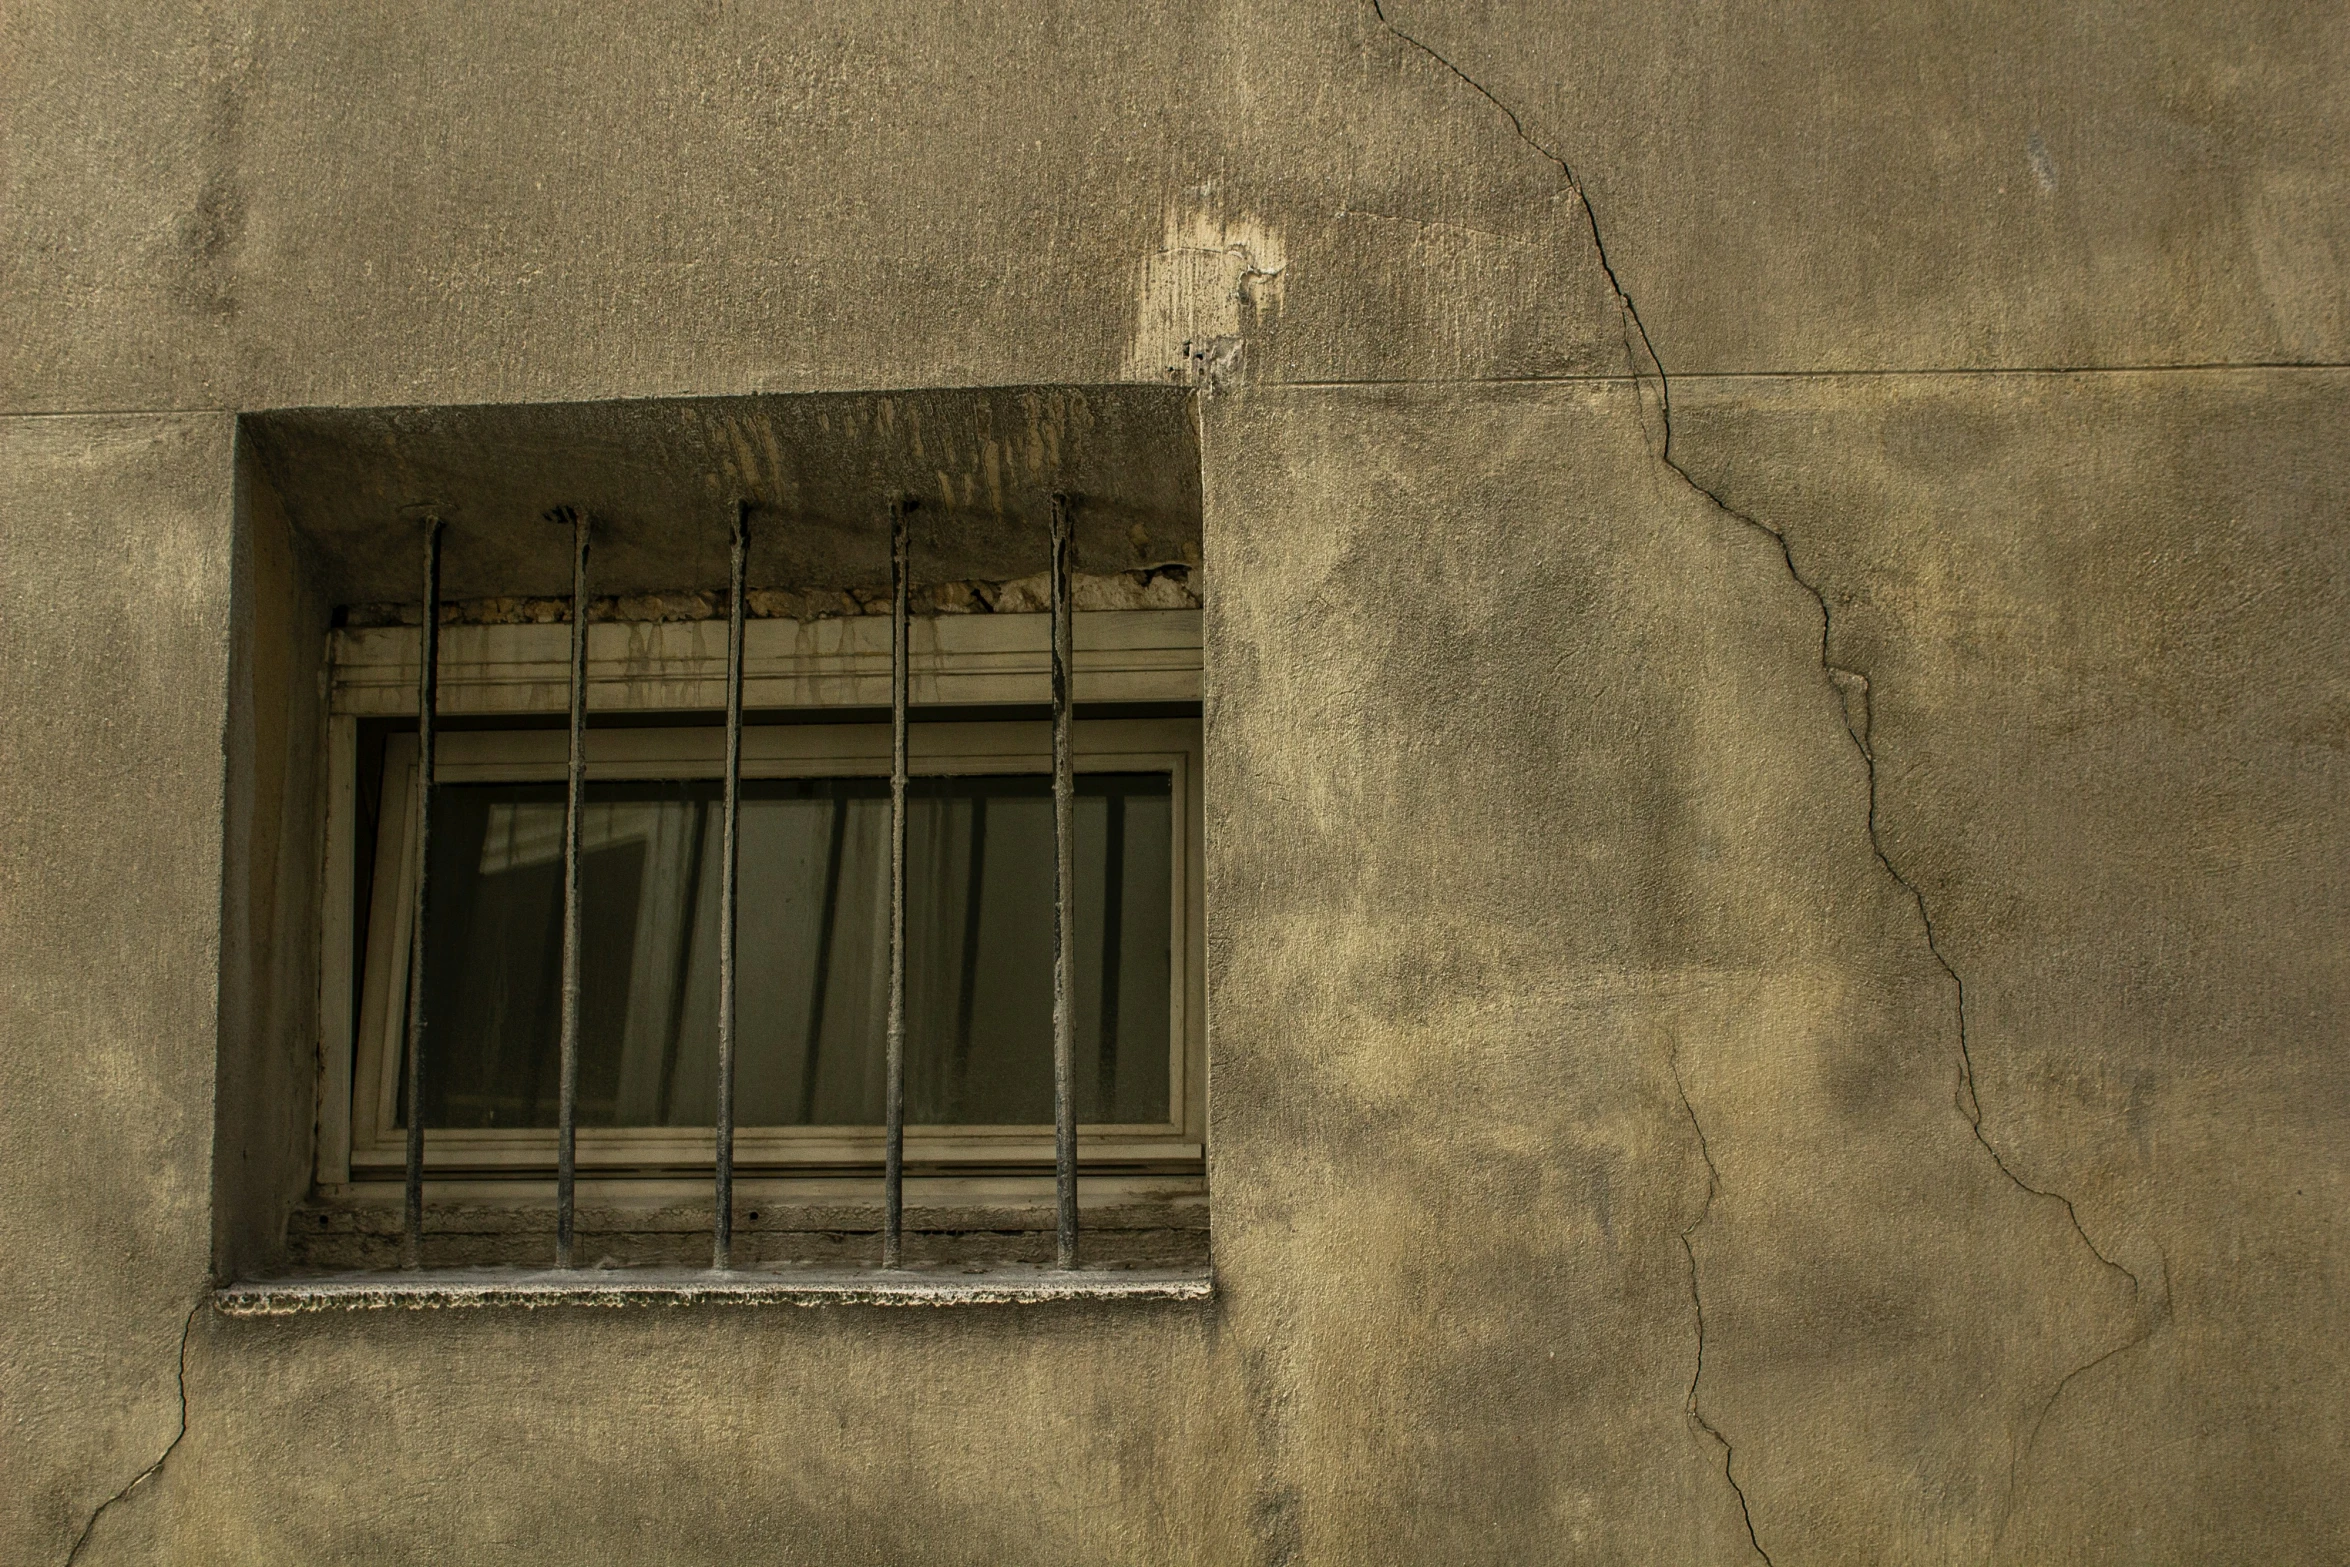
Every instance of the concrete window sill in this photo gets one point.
(438, 1289)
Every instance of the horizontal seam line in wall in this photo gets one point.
(2216, 366)
(2209, 368)
(112, 413)
(1818, 375)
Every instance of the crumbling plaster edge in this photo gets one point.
(610, 1288)
(1851, 687)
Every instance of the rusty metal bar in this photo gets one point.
(893, 1167)
(722, 1228)
(1065, 896)
(574, 801)
(428, 679)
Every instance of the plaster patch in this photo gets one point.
(1211, 280)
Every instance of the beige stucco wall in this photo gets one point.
(1597, 862)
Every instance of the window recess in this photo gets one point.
(867, 813)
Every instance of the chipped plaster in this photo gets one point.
(1212, 279)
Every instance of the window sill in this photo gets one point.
(439, 1289)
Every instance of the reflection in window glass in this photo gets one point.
(813, 972)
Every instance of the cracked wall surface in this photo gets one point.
(2115, 687)
(1795, 188)
(1775, 949)
(110, 894)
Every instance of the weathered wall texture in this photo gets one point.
(114, 610)
(1777, 968)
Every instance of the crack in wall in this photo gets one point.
(1852, 690)
(143, 1476)
(1713, 1185)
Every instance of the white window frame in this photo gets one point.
(976, 661)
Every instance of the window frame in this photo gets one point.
(1138, 656)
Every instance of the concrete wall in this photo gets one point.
(115, 619)
(1776, 952)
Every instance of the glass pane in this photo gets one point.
(813, 972)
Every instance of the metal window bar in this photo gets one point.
(1065, 899)
(1064, 905)
(574, 799)
(427, 703)
(722, 1226)
(893, 1166)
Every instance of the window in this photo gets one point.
(813, 926)
(812, 953)
(902, 612)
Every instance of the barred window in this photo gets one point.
(785, 908)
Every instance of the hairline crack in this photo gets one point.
(2150, 1312)
(187, 1328)
(1713, 1185)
